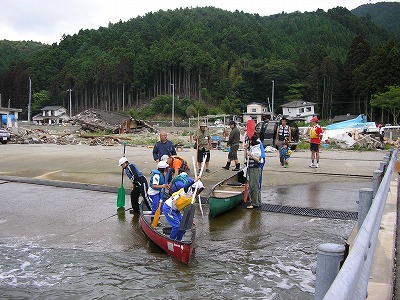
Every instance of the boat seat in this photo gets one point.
(227, 193)
(234, 183)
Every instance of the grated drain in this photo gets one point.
(309, 212)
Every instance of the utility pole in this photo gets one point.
(70, 103)
(29, 100)
(173, 103)
(273, 92)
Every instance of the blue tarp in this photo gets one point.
(4, 119)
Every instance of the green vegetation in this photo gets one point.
(212, 61)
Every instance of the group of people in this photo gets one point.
(172, 170)
(284, 137)
(171, 174)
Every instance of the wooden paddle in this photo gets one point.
(121, 191)
(188, 215)
(158, 211)
(250, 128)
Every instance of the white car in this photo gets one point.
(4, 136)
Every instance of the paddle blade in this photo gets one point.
(121, 197)
(157, 215)
(187, 218)
(246, 192)
(250, 128)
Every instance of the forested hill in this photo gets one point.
(216, 61)
(11, 51)
(385, 14)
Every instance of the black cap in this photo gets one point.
(283, 118)
(232, 123)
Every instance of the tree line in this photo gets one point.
(213, 61)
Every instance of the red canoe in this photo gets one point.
(181, 250)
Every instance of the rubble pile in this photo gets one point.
(44, 136)
(93, 120)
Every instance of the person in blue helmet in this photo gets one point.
(177, 202)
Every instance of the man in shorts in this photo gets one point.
(315, 141)
(233, 143)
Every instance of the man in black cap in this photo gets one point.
(233, 143)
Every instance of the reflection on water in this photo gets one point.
(240, 255)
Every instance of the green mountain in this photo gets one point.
(385, 14)
(11, 52)
(216, 61)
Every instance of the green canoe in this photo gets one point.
(227, 194)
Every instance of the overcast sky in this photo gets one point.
(47, 20)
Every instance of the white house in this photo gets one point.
(257, 112)
(52, 115)
(299, 109)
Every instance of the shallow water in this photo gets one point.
(244, 255)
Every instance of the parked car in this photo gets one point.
(4, 136)
(266, 130)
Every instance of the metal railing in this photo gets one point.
(351, 280)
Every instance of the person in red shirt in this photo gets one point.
(315, 141)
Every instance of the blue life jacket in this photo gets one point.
(179, 182)
(162, 178)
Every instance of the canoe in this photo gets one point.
(181, 250)
(227, 194)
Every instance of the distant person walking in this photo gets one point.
(381, 135)
(233, 143)
(315, 141)
(163, 147)
(203, 141)
(283, 134)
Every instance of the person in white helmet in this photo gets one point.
(158, 182)
(138, 183)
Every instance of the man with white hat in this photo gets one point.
(177, 202)
(158, 183)
(203, 142)
(138, 183)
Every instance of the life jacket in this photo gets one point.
(184, 165)
(184, 199)
(179, 182)
(162, 178)
(283, 132)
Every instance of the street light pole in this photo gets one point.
(70, 103)
(29, 100)
(173, 103)
(273, 92)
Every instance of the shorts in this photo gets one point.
(314, 147)
(203, 151)
(232, 155)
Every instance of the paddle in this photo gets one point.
(121, 191)
(250, 128)
(188, 215)
(158, 211)
(194, 165)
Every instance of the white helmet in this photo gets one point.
(164, 157)
(122, 160)
(162, 165)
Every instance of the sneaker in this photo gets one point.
(208, 170)
(316, 165)
(250, 207)
(286, 165)
(312, 166)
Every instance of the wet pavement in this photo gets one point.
(70, 241)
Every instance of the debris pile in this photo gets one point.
(66, 137)
(97, 121)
